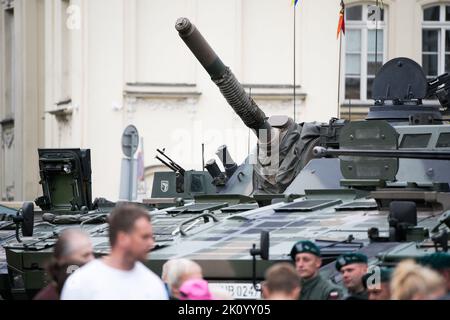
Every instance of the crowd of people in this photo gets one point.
(426, 278)
(74, 274)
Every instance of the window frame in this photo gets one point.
(7, 110)
(442, 25)
(362, 26)
(64, 54)
(8, 106)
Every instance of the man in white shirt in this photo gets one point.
(121, 275)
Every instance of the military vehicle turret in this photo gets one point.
(284, 147)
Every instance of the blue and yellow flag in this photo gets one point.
(294, 2)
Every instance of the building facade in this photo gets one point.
(75, 73)
(22, 100)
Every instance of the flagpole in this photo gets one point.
(295, 80)
(339, 79)
(341, 29)
(376, 41)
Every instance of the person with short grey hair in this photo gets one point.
(72, 250)
(165, 270)
(178, 271)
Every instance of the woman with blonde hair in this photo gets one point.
(411, 281)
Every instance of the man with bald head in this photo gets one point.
(72, 250)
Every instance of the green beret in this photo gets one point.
(385, 276)
(350, 258)
(304, 247)
(436, 261)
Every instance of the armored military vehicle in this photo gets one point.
(385, 182)
(378, 183)
(348, 202)
(67, 202)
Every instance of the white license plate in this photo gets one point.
(237, 290)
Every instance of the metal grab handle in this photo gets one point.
(203, 215)
(239, 218)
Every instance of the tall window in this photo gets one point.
(7, 177)
(10, 57)
(66, 54)
(364, 50)
(436, 40)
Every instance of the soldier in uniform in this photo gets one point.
(306, 256)
(439, 261)
(353, 266)
(377, 284)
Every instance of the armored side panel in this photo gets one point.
(371, 135)
(65, 179)
(169, 185)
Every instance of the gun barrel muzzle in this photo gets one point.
(253, 117)
(200, 48)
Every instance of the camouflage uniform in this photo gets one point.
(363, 295)
(317, 288)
